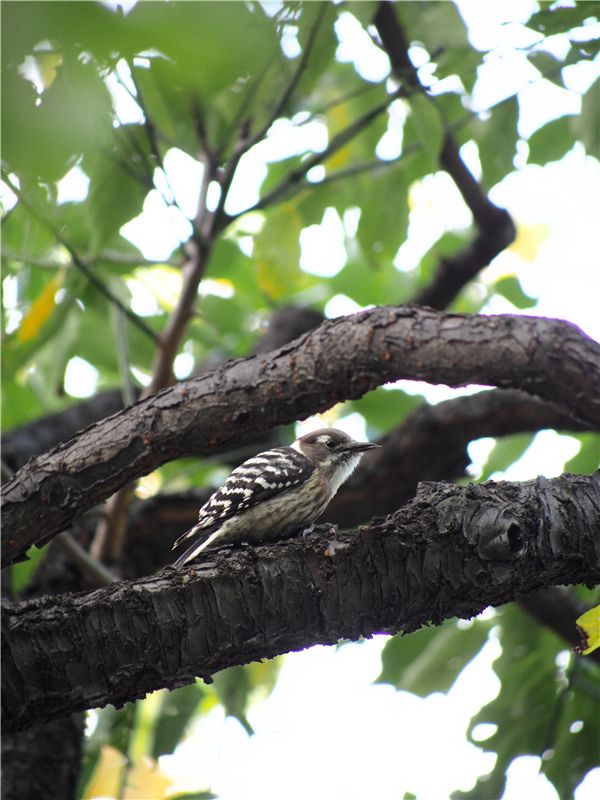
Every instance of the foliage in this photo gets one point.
(206, 79)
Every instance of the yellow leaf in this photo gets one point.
(106, 779)
(338, 119)
(528, 241)
(589, 627)
(277, 253)
(39, 311)
(47, 63)
(144, 779)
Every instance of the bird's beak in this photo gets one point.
(359, 447)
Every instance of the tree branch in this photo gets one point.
(496, 229)
(451, 552)
(341, 359)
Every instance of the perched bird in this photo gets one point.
(276, 493)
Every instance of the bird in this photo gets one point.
(276, 493)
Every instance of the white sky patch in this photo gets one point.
(564, 274)
(542, 101)
(500, 25)
(322, 246)
(122, 91)
(546, 456)
(390, 144)
(284, 141)
(143, 301)
(434, 393)
(354, 425)
(183, 365)
(184, 175)
(81, 378)
(340, 306)
(74, 187)
(285, 725)
(158, 230)
(436, 207)
(479, 451)
(355, 46)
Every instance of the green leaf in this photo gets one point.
(552, 141)
(22, 573)
(315, 30)
(213, 45)
(560, 19)
(276, 257)
(587, 459)
(436, 25)
(22, 234)
(425, 120)
(120, 179)
(574, 748)
(429, 660)
(383, 409)
(384, 216)
(363, 10)
(45, 135)
(532, 709)
(20, 403)
(587, 125)
(233, 688)
(510, 288)
(506, 451)
(498, 142)
(235, 685)
(176, 710)
(366, 282)
(548, 66)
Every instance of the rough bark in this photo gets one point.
(450, 552)
(341, 359)
(43, 761)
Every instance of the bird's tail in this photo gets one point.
(204, 538)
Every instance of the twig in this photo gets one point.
(127, 390)
(88, 565)
(81, 265)
(294, 178)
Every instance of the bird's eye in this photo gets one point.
(331, 444)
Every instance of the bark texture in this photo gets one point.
(43, 761)
(341, 359)
(450, 552)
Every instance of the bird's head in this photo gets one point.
(330, 448)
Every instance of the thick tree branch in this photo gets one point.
(450, 552)
(341, 359)
(43, 761)
(22, 443)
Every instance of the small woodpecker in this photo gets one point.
(276, 493)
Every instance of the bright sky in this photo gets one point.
(326, 731)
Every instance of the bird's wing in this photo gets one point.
(253, 482)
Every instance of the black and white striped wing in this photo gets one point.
(256, 480)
